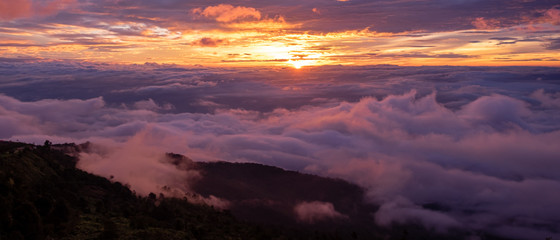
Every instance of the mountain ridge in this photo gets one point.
(44, 196)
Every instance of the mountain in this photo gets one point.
(44, 196)
(271, 195)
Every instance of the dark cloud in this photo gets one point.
(503, 38)
(17, 60)
(502, 43)
(530, 40)
(19, 45)
(398, 16)
(553, 44)
(209, 42)
(530, 60)
(423, 55)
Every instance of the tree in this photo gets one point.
(47, 144)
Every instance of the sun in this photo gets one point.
(297, 64)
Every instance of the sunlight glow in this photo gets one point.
(276, 41)
(297, 64)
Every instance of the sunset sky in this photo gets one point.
(454, 102)
(284, 33)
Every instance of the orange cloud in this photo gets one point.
(11, 9)
(553, 15)
(486, 24)
(270, 23)
(228, 13)
(51, 7)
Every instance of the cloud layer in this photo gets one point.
(449, 147)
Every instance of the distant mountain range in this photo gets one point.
(44, 196)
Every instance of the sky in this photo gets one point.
(284, 33)
(420, 102)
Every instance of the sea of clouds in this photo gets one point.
(481, 143)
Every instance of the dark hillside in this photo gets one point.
(43, 196)
(276, 191)
(265, 194)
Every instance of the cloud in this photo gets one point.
(241, 18)
(20, 59)
(210, 201)
(485, 24)
(553, 15)
(228, 13)
(12, 9)
(424, 55)
(499, 112)
(403, 211)
(151, 105)
(209, 42)
(312, 212)
(138, 162)
(275, 23)
(52, 114)
(15, 123)
(554, 44)
(547, 99)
